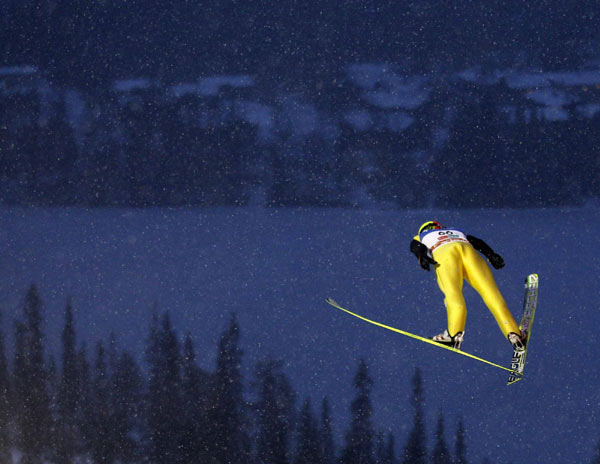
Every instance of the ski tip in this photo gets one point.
(532, 280)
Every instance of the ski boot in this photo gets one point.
(452, 341)
(518, 341)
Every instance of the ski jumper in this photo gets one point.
(458, 260)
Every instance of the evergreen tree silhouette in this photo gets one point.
(52, 180)
(461, 446)
(52, 386)
(440, 454)
(194, 390)
(275, 414)
(5, 399)
(228, 436)
(469, 170)
(31, 390)
(164, 434)
(101, 427)
(596, 459)
(359, 439)
(309, 444)
(415, 451)
(125, 397)
(385, 449)
(326, 433)
(84, 408)
(66, 444)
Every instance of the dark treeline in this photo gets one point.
(145, 147)
(99, 404)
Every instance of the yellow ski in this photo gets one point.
(418, 337)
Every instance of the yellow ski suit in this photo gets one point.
(458, 260)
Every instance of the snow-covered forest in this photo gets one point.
(378, 137)
(382, 138)
(178, 115)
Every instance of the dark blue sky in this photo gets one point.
(273, 268)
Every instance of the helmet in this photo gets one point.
(429, 225)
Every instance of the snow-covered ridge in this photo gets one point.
(386, 94)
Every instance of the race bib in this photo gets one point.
(434, 239)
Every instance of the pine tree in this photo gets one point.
(52, 387)
(84, 408)
(5, 392)
(385, 449)
(101, 431)
(440, 454)
(111, 406)
(125, 399)
(31, 391)
(309, 449)
(596, 459)
(67, 437)
(461, 446)
(415, 451)
(164, 413)
(195, 384)
(228, 437)
(359, 439)
(326, 433)
(275, 410)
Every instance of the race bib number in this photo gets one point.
(436, 238)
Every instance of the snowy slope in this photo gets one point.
(273, 268)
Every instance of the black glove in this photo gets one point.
(496, 260)
(425, 261)
(422, 254)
